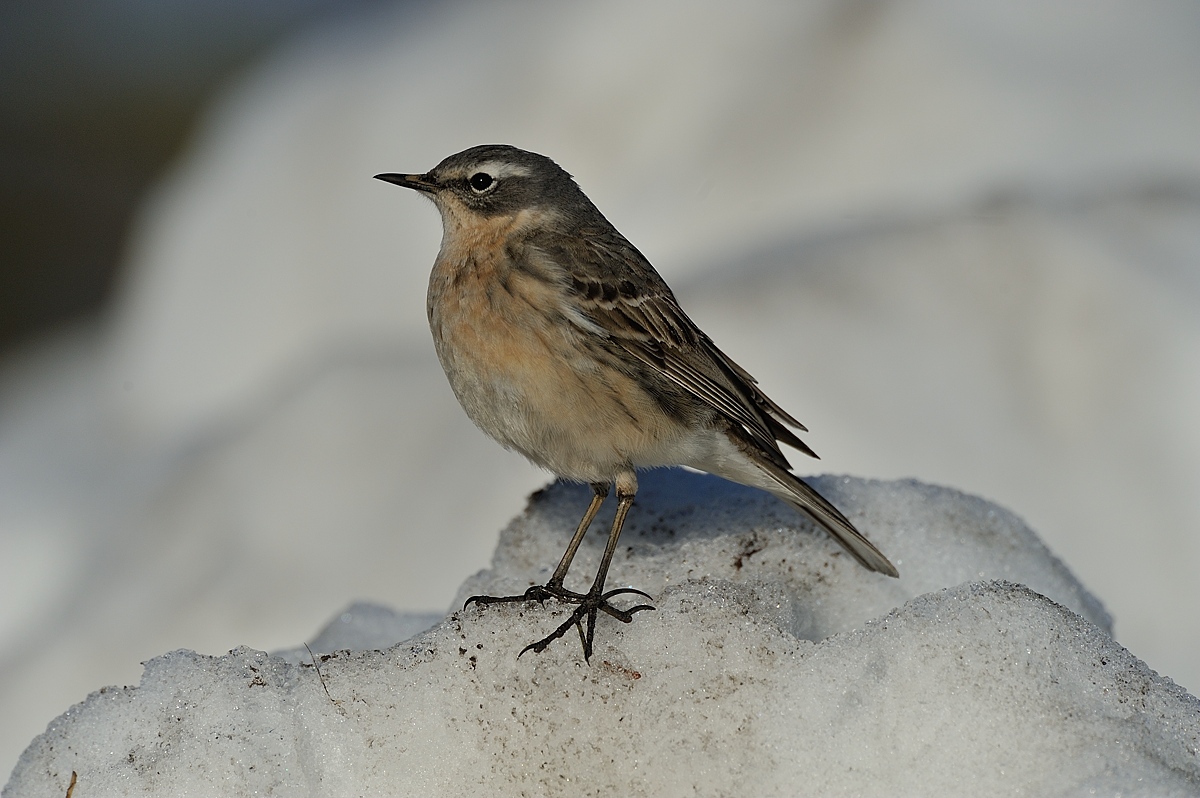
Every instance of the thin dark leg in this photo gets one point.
(596, 600)
(623, 505)
(554, 588)
(600, 492)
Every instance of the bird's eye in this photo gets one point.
(480, 181)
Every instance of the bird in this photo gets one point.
(562, 343)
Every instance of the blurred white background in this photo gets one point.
(960, 241)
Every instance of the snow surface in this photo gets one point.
(771, 666)
(958, 241)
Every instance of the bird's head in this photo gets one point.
(494, 181)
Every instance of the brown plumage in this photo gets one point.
(562, 342)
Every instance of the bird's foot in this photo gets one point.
(590, 605)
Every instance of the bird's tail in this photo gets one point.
(800, 495)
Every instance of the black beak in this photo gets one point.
(418, 182)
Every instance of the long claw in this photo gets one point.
(621, 590)
(625, 616)
(586, 642)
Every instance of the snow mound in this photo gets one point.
(686, 526)
(750, 678)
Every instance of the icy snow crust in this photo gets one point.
(761, 672)
(687, 526)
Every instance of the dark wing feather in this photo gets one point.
(618, 290)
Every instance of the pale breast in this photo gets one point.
(529, 378)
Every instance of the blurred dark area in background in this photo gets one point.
(96, 98)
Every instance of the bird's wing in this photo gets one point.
(618, 291)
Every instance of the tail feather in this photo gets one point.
(800, 495)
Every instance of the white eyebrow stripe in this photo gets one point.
(500, 169)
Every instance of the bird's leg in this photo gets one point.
(554, 588)
(600, 493)
(596, 600)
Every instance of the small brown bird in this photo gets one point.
(562, 342)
